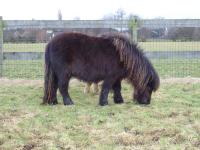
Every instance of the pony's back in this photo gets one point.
(85, 57)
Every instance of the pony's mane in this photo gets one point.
(140, 70)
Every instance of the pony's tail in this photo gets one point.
(49, 79)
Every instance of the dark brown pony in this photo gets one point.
(107, 58)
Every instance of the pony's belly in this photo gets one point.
(96, 77)
(96, 72)
(89, 77)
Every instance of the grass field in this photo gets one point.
(24, 47)
(148, 46)
(28, 69)
(172, 121)
(34, 69)
(170, 46)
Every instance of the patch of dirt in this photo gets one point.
(12, 119)
(173, 115)
(196, 127)
(26, 82)
(196, 143)
(85, 118)
(163, 132)
(2, 141)
(23, 82)
(186, 80)
(28, 146)
(128, 139)
(178, 139)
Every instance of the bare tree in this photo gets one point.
(120, 14)
(59, 15)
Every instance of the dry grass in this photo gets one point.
(186, 80)
(26, 82)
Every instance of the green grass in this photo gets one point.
(24, 47)
(29, 69)
(170, 46)
(34, 69)
(148, 46)
(175, 67)
(172, 121)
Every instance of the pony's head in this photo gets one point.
(141, 73)
(145, 81)
(142, 94)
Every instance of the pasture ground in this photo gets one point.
(172, 121)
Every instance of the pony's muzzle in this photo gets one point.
(144, 101)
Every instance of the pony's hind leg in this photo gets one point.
(117, 92)
(63, 84)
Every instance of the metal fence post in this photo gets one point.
(1, 46)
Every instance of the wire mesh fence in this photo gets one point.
(173, 48)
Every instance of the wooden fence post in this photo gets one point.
(1, 46)
(133, 24)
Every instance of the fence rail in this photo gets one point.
(55, 24)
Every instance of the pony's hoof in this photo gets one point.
(69, 103)
(54, 103)
(119, 101)
(103, 103)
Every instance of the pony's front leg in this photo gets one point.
(117, 92)
(63, 85)
(103, 100)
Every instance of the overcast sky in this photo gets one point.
(96, 9)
